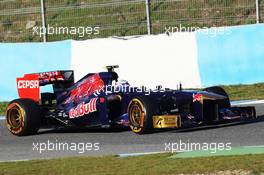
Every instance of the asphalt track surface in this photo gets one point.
(124, 141)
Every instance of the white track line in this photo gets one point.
(19, 160)
(258, 146)
(247, 102)
(139, 154)
(2, 117)
(182, 151)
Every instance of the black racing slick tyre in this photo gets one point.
(219, 90)
(23, 117)
(140, 112)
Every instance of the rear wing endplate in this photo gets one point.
(29, 85)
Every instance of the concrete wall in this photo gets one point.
(149, 60)
(231, 55)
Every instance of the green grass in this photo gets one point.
(245, 92)
(151, 165)
(236, 92)
(3, 106)
(122, 19)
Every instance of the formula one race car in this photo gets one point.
(100, 100)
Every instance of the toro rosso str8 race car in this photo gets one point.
(100, 100)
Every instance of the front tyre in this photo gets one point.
(140, 112)
(23, 117)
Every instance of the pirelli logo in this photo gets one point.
(167, 121)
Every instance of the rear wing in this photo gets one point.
(29, 85)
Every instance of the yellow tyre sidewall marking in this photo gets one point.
(21, 114)
(133, 128)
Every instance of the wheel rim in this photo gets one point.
(136, 115)
(15, 117)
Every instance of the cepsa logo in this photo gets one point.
(25, 84)
(83, 109)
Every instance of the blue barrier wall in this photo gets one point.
(234, 57)
(18, 59)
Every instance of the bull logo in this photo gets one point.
(197, 97)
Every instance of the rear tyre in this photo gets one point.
(23, 117)
(219, 90)
(140, 112)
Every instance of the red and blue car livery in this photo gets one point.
(100, 100)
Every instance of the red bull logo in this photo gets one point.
(92, 85)
(83, 109)
(198, 97)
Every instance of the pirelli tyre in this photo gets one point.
(23, 117)
(140, 112)
(219, 90)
